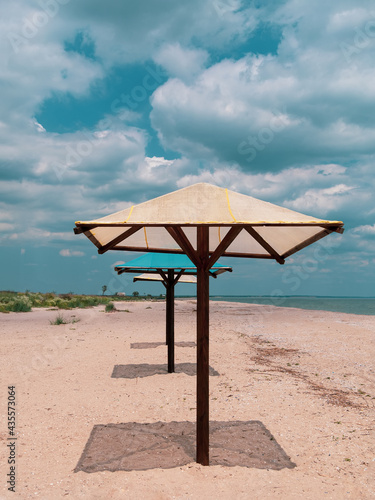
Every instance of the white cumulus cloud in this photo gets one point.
(71, 253)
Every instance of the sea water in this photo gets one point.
(352, 305)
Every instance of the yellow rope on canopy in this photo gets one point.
(131, 210)
(230, 211)
(144, 229)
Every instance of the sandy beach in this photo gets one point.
(292, 398)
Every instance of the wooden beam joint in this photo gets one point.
(118, 239)
(183, 242)
(257, 237)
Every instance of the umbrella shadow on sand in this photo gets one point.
(147, 370)
(152, 345)
(143, 446)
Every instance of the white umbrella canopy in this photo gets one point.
(207, 222)
(269, 231)
(154, 277)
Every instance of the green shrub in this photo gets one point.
(50, 303)
(62, 304)
(110, 307)
(60, 320)
(21, 303)
(37, 303)
(91, 301)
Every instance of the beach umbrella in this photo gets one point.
(206, 222)
(170, 269)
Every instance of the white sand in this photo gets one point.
(308, 376)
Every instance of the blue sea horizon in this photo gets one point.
(351, 305)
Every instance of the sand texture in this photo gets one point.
(292, 398)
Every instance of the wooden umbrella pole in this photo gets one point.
(202, 346)
(170, 319)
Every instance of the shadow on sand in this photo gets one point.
(146, 370)
(152, 345)
(140, 446)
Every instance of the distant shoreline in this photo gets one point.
(22, 302)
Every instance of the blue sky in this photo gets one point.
(108, 104)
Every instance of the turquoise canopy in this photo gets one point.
(152, 262)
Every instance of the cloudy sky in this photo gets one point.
(108, 104)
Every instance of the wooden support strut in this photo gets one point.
(170, 320)
(203, 346)
(182, 240)
(84, 228)
(118, 239)
(163, 275)
(257, 237)
(201, 259)
(175, 281)
(224, 244)
(164, 278)
(307, 242)
(169, 281)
